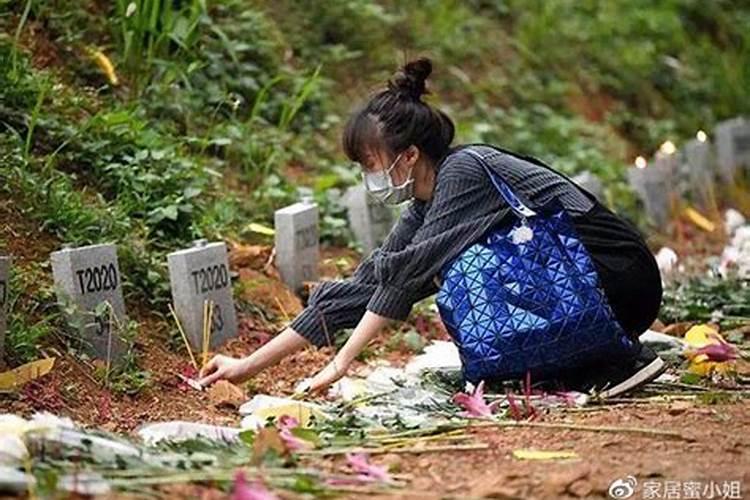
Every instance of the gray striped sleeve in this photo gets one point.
(335, 305)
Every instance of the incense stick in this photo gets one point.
(204, 346)
(184, 337)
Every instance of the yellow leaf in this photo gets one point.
(701, 335)
(699, 219)
(260, 229)
(17, 377)
(106, 66)
(299, 411)
(527, 454)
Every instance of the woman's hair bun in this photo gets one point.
(410, 79)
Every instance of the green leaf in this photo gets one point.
(307, 434)
(191, 192)
(247, 437)
(170, 212)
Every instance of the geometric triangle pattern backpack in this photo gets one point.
(526, 297)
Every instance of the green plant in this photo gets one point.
(149, 30)
(16, 38)
(31, 321)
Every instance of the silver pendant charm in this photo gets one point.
(521, 234)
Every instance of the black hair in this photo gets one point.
(397, 117)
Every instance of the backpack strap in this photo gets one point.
(536, 161)
(516, 202)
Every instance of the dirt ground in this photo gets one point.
(713, 447)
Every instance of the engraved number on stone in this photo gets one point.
(102, 325)
(210, 278)
(306, 237)
(217, 320)
(97, 279)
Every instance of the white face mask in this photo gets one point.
(380, 185)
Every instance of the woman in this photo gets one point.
(404, 147)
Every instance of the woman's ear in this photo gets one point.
(412, 155)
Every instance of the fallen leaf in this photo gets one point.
(529, 454)
(709, 352)
(260, 229)
(250, 256)
(677, 329)
(699, 220)
(267, 439)
(13, 379)
(224, 393)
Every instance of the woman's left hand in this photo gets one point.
(328, 375)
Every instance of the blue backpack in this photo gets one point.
(526, 298)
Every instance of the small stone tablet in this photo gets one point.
(84, 278)
(698, 161)
(196, 275)
(369, 220)
(732, 139)
(654, 186)
(297, 245)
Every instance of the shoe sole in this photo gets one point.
(643, 376)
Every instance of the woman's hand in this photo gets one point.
(224, 368)
(328, 375)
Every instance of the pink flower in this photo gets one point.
(250, 491)
(515, 412)
(717, 353)
(474, 403)
(285, 424)
(365, 470)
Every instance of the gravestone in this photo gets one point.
(732, 146)
(698, 162)
(196, 275)
(654, 186)
(369, 220)
(297, 249)
(590, 183)
(5, 263)
(86, 279)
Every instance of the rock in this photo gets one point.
(224, 393)
(494, 486)
(559, 482)
(679, 407)
(580, 488)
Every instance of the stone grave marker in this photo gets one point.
(85, 278)
(698, 162)
(297, 248)
(5, 262)
(654, 186)
(732, 139)
(369, 220)
(590, 183)
(196, 275)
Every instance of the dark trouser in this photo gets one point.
(627, 269)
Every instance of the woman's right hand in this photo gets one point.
(224, 368)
